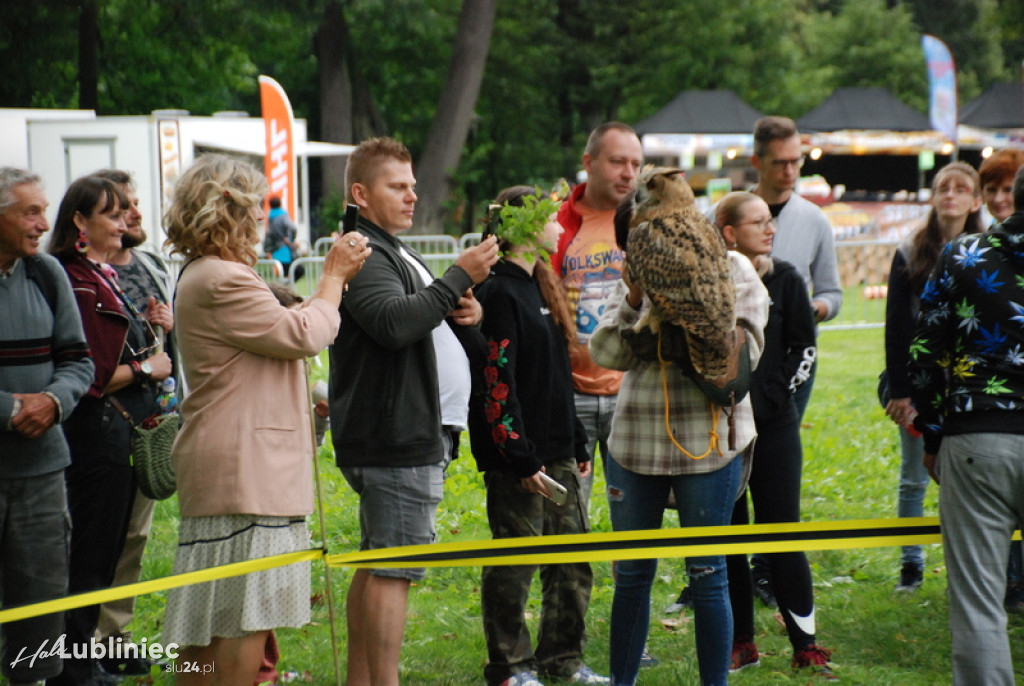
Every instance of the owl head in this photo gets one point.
(661, 189)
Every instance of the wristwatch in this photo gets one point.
(143, 372)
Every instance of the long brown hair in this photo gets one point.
(928, 242)
(551, 289)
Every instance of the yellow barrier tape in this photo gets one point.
(631, 545)
(153, 585)
(592, 547)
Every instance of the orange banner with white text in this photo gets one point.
(279, 159)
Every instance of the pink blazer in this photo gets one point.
(246, 441)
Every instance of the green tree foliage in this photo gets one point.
(838, 52)
(555, 69)
(1006, 22)
(965, 26)
(38, 46)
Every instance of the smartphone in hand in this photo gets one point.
(557, 490)
(351, 218)
(491, 225)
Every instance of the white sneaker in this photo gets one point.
(527, 678)
(585, 675)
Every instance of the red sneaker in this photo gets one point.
(815, 659)
(744, 654)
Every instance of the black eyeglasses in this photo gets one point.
(797, 162)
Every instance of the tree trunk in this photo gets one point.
(331, 43)
(348, 113)
(88, 67)
(454, 115)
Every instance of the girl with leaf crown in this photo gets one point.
(522, 430)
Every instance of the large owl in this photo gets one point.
(680, 260)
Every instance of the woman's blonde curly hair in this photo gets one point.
(214, 210)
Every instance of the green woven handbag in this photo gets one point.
(151, 455)
(152, 441)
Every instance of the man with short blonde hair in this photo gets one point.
(590, 264)
(399, 395)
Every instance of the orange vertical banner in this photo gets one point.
(279, 159)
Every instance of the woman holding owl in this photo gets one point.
(665, 438)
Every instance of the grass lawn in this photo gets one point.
(851, 466)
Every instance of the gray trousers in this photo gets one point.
(34, 547)
(595, 412)
(981, 502)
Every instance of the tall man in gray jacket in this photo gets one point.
(399, 394)
(44, 369)
(803, 233)
(803, 238)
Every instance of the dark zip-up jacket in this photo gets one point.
(385, 410)
(789, 346)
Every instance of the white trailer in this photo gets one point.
(62, 145)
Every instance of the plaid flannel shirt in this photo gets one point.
(639, 440)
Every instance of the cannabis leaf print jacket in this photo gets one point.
(967, 355)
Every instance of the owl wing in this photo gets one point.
(681, 262)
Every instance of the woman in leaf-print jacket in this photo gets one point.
(526, 423)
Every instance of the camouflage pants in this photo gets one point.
(504, 591)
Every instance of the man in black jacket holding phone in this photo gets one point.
(400, 387)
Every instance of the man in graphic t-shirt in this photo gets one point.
(590, 264)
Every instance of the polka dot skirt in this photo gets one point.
(233, 607)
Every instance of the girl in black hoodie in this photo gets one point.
(524, 426)
(789, 352)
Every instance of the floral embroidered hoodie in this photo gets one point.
(967, 355)
(526, 418)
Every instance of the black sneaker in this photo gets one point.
(1014, 601)
(684, 601)
(763, 590)
(647, 660)
(911, 578)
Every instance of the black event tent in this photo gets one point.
(1000, 107)
(870, 139)
(863, 109)
(702, 112)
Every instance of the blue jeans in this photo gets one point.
(913, 483)
(595, 413)
(637, 502)
(397, 507)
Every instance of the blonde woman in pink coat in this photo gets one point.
(244, 455)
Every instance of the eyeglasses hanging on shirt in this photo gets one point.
(151, 334)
